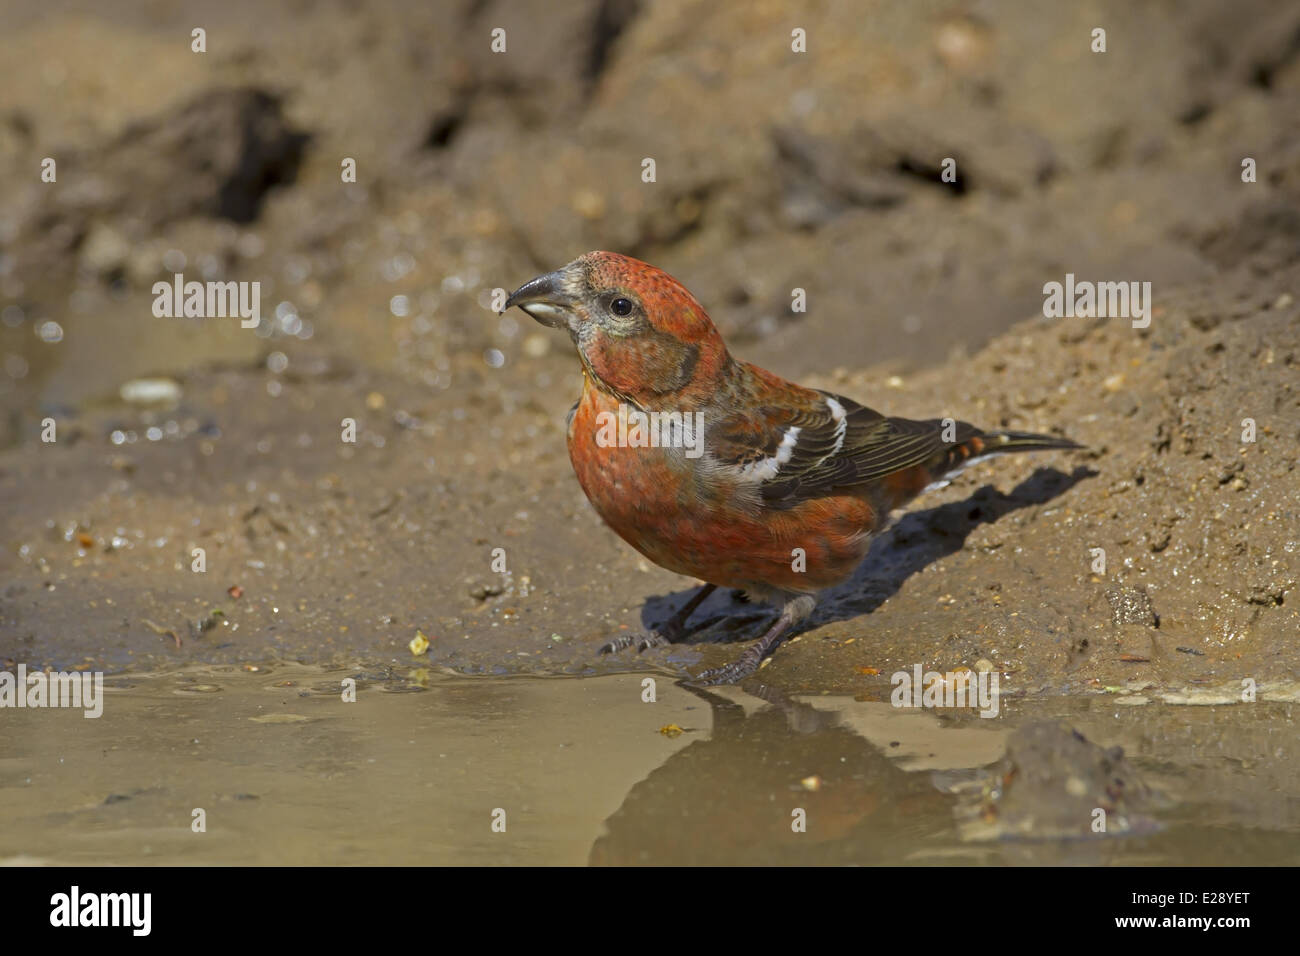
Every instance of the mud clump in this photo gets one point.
(1054, 783)
(1131, 606)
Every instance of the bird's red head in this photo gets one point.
(639, 333)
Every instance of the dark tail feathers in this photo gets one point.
(997, 443)
(987, 444)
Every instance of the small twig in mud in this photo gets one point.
(162, 631)
(386, 507)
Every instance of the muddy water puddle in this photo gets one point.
(572, 771)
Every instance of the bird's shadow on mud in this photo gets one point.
(914, 541)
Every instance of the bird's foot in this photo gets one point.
(653, 639)
(742, 667)
(748, 662)
(672, 631)
(642, 642)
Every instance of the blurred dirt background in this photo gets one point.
(775, 170)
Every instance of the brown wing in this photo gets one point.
(841, 446)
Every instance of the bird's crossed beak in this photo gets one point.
(545, 299)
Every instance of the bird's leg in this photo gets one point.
(795, 610)
(670, 633)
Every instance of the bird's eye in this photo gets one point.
(621, 306)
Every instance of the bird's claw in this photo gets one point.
(643, 642)
(622, 642)
(652, 639)
(742, 667)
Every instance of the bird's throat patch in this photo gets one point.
(653, 363)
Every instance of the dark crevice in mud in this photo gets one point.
(216, 155)
(20, 124)
(271, 156)
(1263, 71)
(612, 19)
(911, 166)
(474, 8)
(478, 96)
(446, 125)
(1195, 114)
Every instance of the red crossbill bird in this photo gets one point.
(720, 470)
